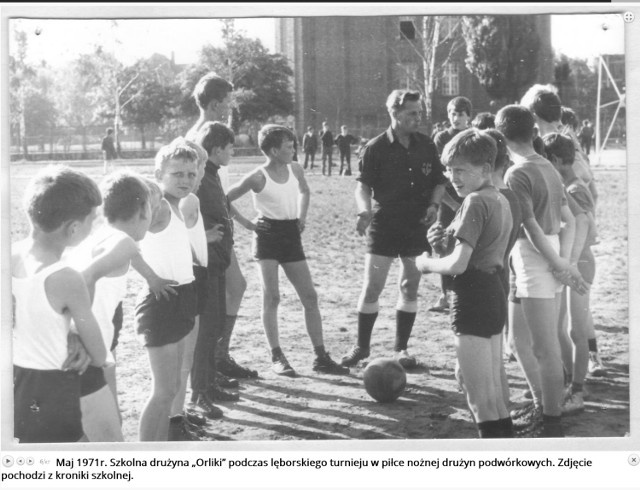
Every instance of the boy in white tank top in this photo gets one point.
(164, 324)
(61, 204)
(281, 197)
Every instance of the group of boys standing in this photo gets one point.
(343, 141)
(64, 375)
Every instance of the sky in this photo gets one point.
(60, 41)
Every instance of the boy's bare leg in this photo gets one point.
(475, 360)
(541, 317)
(110, 377)
(100, 416)
(522, 346)
(300, 276)
(270, 301)
(177, 406)
(566, 345)
(581, 321)
(498, 380)
(165, 363)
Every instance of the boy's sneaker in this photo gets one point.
(229, 367)
(324, 364)
(217, 394)
(282, 367)
(178, 431)
(194, 418)
(574, 403)
(210, 411)
(355, 355)
(225, 381)
(406, 361)
(596, 368)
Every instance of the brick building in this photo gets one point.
(344, 68)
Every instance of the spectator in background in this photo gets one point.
(326, 137)
(309, 146)
(484, 120)
(344, 141)
(586, 136)
(109, 152)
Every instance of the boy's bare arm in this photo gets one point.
(66, 291)
(580, 238)
(240, 218)
(158, 286)
(254, 181)
(567, 232)
(305, 195)
(115, 257)
(453, 264)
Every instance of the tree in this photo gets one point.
(260, 79)
(149, 98)
(21, 74)
(577, 85)
(502, 52)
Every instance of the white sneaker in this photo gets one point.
(573, 403)
(596, 368)
(406, 361)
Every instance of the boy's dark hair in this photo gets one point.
(110, 131)
(460, 104)
(272, 136)
(211, 87)
(472, 146)
(569, 117)
(124, 193)
(214, 134)
(560, 146)
(544, 102)
(502, 155)
(516, 123)
(59, 194)
(538, 146)
(398, 98)
(484, 120)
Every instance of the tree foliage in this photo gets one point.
(577, 85)
(502, 52)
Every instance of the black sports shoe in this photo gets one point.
(225, 381)
(194, 418)
(229, 367)
(324, 364)
(217, 394)
(178, 431)
(210, 411)
(281, 366)
(355, 355)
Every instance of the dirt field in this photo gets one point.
(314, 407)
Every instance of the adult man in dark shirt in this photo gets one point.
(585, 136)
(309, 146)
(403, 176)
(344, 141)
(109, 152)
(326, 137)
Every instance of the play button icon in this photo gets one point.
(7, 461)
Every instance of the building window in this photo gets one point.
(407, 30)
(406, 75)
(451, 79)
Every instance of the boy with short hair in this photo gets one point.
(109, 152)
(326, 140)
(164, 325)
(344, 141)
(281, 197)
(459, 112)
(481, 228)
(539, 188)
(560, 150)
(48, 294)
(309, 146)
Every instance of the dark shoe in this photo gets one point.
(208, 408)
(355, 355)
(217, 394)
(324, 364)
(178, 431)
(282, 367)
(406, 360)
(226, 382)
(229, 367)
(194, 418)
(544, 430)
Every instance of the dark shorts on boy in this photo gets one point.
(46, 405)
(278, 240)
(396, 235)
(92, 380)
(166, 321)
(201, 282)
(478, 303)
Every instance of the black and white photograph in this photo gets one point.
(409, 225)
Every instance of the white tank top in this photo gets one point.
(277, 201)
(40, 333)
(168, 252)
(198, 240)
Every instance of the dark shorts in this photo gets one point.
(278, 240)
(46, 405)
(166, 321)
(587, 265)
(395, 235)
(117, 321)
(201, 274)
(478, 304)
(92, 380)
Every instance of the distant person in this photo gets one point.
(309, 146)
(326, 138)
(109, 152)
(344, 141)
(484, 120)
(585, 135)
(436, 129)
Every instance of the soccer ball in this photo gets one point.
(384, 380)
